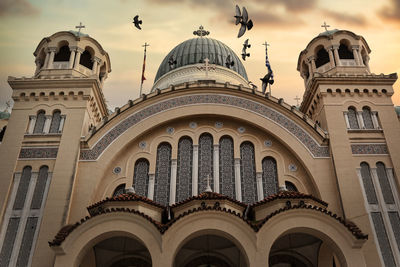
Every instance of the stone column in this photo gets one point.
(360, 120)
(195, 170)
(216, 168)
(32, 122)
(311, 60)
(51, 58)
(79, 52)
(336, 54)
(355, 54)
(346, 118)
(37, 62)
(238, 186)
(260, 190)
(46, 60)
(96, 64)
(47, 123)
(375, 122)
(71, 57)
(62, 120)
(172, 191)
(331, 57)
(150, 193)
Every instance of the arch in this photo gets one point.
(141, 177)
(87, 58)
(321, 56)
(248, 173)
(344, 50)
(227, 166)
(352, 116)
(55, 122)
(269, 176)
(162, 180)
(119, 190)
(40, 120)
(290, 186)
(63, 53)
(206, 161)
(367, 118)
(184, 168)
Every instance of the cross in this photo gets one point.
(145, 46)
(79, 28)
(206, 66)
(201, 32)
(266, 45)
(325, 26)
(297, 100)
(208, 188)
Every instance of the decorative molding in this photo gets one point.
(369, 149)
(276, 117)
(219, 124)
(38, 153)
(193, 125)
(268, 143)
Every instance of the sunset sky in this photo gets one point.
(288, 25)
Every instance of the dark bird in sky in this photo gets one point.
(266, 80)
(137, 22)
(171, 62)
(245, 46)
(228, 62)
(243, 19)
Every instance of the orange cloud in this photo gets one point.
(355, 20)
(391, 12)
(17, 7)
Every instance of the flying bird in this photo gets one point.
(172, 62)
(228, 62)
(243, 19)
(137, 22)
(266, 80)
(245, 46)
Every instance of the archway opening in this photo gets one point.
(210, 251)
(121, 251)
(302, 250)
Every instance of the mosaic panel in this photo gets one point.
(163, 174)
(141, 177)
(368, 184)
(55, 122)
(384, 183)
(248, 173)
(352, 115)
(367, 118)
(206, 158)
(383, 240)
(22, 188)
(27, 241)
(226, 167)
(361, 149)
(38, 153)
(269, 176)
(184, 169)
(40, 187)
(9, 240)
(309, 142)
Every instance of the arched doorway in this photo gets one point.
(119, 251)
(301, 250)
(210, 251)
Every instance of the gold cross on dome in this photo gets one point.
(325, 26)
(79, 27)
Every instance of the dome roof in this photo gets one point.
(195, 50)
(327, 33)
(4, 115)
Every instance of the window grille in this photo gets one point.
(141, 177)
(184, 169)
(226, 167)
(248, 173)
(163, 174)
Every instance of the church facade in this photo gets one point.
(204, 170)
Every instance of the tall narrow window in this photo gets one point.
(63, 54)
(163, 174)
(248, 173)
(141, 177)
(55, 122)
(184, 170)
(344, 51)
(86, 59)
(353, 118)
(269, 176)
(367, 118)
(322, 57)
(368, 184)
(226, 167)
(119, 190)
(40, 187)
(205, 161)
(384, 183)
(40, 120)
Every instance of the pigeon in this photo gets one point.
(266, 80)
(243, 19)
(136, 21)
(245, 46)
(228, 62)
(171, 62)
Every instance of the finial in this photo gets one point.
(325, 26)
(208, 188)
(297, 98)
(201, 32)
(79, 27)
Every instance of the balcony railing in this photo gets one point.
(61, 65)
(348, 62)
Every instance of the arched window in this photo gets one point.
(86, 59)
(55, 122)
(344, 51)
(368, 184)
(206, 158)
(384, 183)
(63, 54)
(184, 169)
(23, 188)
(352, 116)
(226, 167)
(119, 190)
(40, 120)
(141, 177)
(269, 176)
(40, 188)
(2, 132)
(248, 173)
(322, 57)
(163, 174)
(367, 118)
(290, 186)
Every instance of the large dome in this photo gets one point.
(194, 51)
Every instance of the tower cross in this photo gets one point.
(79, 27)
(145, 46)
(266, 45)
(201, 32)
(325, 26)
(297, 100)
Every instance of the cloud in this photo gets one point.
(17, 7)
(270, 19)
(293, 6)
(356, 19)
(391, 12)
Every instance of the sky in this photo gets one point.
(287, 25)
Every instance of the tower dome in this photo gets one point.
(191, 56)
